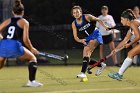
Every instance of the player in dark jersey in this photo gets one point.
(84, 32)
(14, 30)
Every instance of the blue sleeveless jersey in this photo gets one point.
(10, 46)
(87, 30)
(13, 31)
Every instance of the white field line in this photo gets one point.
(91, 90)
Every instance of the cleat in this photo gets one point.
(116, 76)
(81, 75)
(34, 84)
(100, 69)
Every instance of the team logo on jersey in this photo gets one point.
(85, 27)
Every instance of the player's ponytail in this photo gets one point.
(128, 14)
(18, 7)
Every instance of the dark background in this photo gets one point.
(53, 12)
(50, 20)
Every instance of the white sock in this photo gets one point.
(127, 62)
(135, 59)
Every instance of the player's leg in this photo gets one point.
(135, 57)
(101, 51)
(114, 57)
(92, 46)
(87, 51)
(32, 68)
(101, 66)
(2, 62)
(127, 62)
(135, 60)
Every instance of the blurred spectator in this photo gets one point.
(136, 59)
(136, 11)
(107, 35)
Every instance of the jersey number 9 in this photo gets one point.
(11, 31)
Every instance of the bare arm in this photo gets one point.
(1, 37)
(4, 24)
(136, 33)
(75, 35)
(112, 24)
(93, 18)
(126, 39)
(26, 39)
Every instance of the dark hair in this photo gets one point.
(76, 7)
(18, 7)
(128, 14)
(104, 7)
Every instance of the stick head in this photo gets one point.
(66, 57)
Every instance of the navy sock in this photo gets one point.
(85, 64)
(32, 67)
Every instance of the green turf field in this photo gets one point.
(62, 79)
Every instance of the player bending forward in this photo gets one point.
(14, 30)
(128, 19)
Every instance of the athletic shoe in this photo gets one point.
(116, 76)
(100, 69)
(81, 75)
(34, 84)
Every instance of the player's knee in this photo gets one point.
(89, 50)
(86, 59)
(86, 50)
(129, 55)
(33, 59)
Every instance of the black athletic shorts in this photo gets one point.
(107, 39)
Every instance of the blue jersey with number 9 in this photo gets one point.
(10, 45)
(13, 31)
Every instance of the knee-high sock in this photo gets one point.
(85, 64)
(127, 62)
(32, 67)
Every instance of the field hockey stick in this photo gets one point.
(54, 56)
(104, 59)
(116, 27)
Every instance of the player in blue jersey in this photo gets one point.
(84, 32)
(14, 30)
